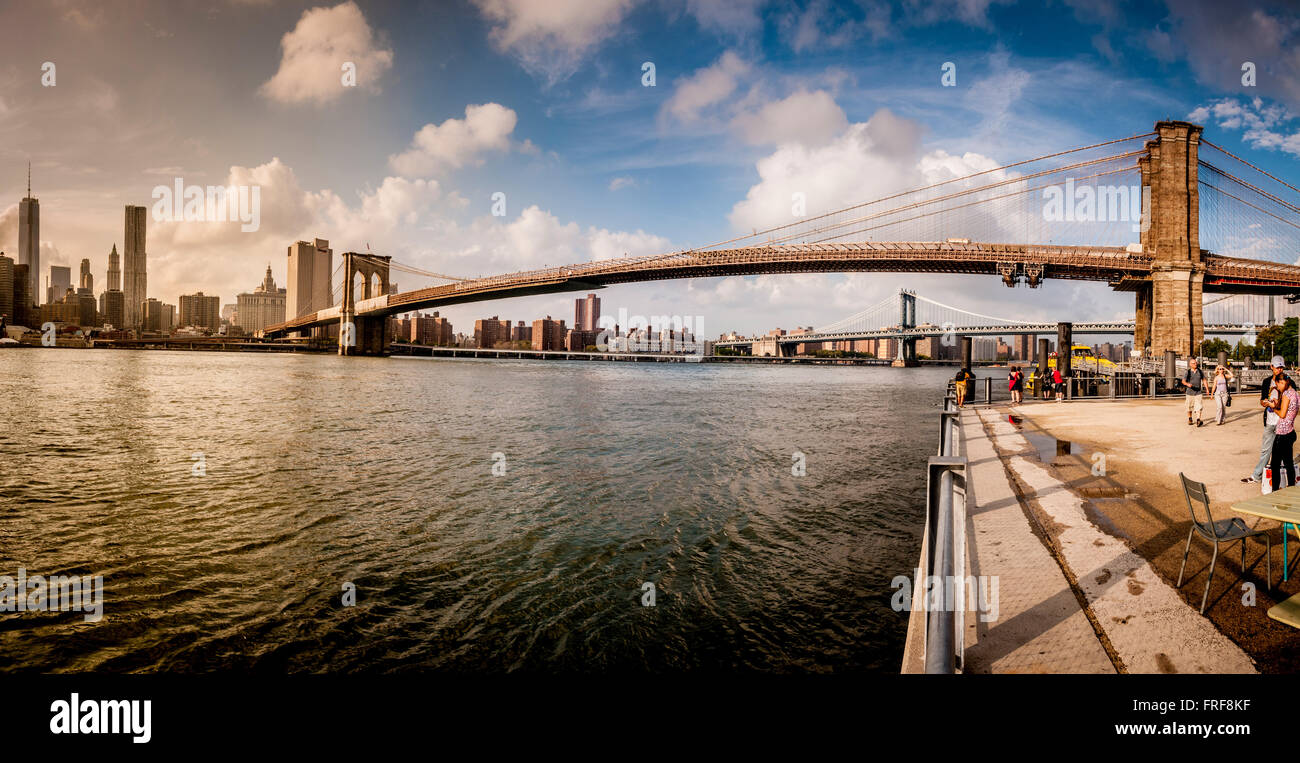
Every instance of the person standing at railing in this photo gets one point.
(964, 381)
(1286, 404)
(1016, 383)
(1058, 384)
(1222, 397)
(1195, 384)
(1266, 391)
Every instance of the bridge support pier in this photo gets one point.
(905, 357)
(1170, 231)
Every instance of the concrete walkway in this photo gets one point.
(1041, 626)
(1147, 625)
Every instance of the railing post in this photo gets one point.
(988, 390)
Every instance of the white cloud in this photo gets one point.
(705, 88)
(621, 182)
(736, 18)
(551, 38)
(314, 52)
(810, 118)
(1263, 125)
(868, 160)
(457, 142)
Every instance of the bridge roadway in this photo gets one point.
(1122, 268)
(919, 332)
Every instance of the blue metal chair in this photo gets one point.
(1222, 531)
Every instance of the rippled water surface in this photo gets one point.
(323, 470)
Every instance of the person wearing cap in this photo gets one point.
(1222, 396)
(1266, 391)
(1196, 384)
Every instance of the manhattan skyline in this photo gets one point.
(552, 111)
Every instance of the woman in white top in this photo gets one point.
(1221, 394)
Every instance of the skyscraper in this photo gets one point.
(6, 289)
(29, 238)
(135, 289)
(60, 281)
(586, 313)
(114, 270)
(311, 266)
(86, 281)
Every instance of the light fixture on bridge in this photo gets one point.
(1010, 272)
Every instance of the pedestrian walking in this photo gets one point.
(1285, 404)
(1222, 394)
(1266, 390)
(1195, 385)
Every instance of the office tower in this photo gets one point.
(6, 289)
(24, 312)
(112, 308)
(135, 287)
(58, 284)
(586, 313)
(29, 238)
(86, 309)
(86, 281)
(151, 313)
(228, 313)
(311, 268)
(264, 307)
(200, 311)
(114, 270)
(168, 317)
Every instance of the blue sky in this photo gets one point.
(544, 102)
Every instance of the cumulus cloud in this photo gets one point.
(457, 142)
(705, 88)
(1263, 125)
(551, 39)
(811, 118)
(867, 160)
(314, 52)
(737, 18)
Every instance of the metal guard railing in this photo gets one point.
(945, 543)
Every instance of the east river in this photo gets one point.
(484, 515)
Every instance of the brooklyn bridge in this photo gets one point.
(1165, 215)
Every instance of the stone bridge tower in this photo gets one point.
(1169, 313)
(363, 335)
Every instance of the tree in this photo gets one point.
(1281, 336)
(1212, 347)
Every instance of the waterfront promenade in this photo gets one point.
(1077, 508)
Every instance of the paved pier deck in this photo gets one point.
(1077, 593)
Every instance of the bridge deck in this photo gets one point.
(1095, 263)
